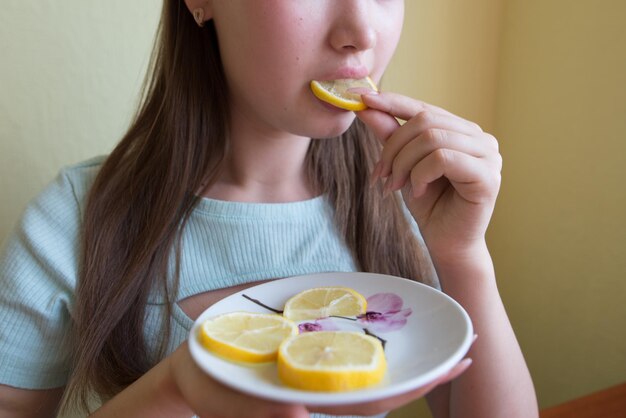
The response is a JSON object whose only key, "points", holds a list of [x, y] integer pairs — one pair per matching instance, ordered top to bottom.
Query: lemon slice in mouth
{"points": [[338, 92]]}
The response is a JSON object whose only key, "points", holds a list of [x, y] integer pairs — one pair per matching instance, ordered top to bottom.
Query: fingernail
{"points": [[370, 92], [384, 170], [418, 190], [414, 192], [474, 339]]}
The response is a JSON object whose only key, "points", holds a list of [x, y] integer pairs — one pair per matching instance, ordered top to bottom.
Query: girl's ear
{"points": [[200, 9]]}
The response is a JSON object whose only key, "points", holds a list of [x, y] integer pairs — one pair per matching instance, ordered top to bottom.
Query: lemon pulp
{"points": [[322, 302], [246, 337], [331, 361]]}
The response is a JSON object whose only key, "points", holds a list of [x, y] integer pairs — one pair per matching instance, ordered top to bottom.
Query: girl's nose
{"points": [[353, 28]]}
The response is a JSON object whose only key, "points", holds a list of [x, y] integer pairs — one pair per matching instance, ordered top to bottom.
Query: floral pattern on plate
{"points": [[384, 314]]}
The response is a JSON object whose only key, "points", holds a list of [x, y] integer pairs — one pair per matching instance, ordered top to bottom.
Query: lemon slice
{"points": [[336, 92], [322, 302], [246, 337], [331, 361]]}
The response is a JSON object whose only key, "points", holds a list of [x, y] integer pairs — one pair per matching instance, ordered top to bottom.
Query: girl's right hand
{"points": [[210, 399]]}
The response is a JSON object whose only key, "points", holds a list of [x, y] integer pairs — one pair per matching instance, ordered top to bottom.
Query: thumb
{"points": [[381, 123]]}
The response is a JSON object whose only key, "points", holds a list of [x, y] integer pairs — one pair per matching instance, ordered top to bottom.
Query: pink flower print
{"points": [[385, 313], [324, 324]]}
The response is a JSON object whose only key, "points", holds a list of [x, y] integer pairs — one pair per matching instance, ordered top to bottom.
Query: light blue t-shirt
{"points": [[224, 244]]}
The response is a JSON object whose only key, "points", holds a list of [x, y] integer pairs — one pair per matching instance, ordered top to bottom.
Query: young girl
{"points": [[218, 185]]}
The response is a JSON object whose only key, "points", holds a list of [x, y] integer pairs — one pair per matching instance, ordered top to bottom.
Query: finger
{"points": [[399, 105], [405, 108], [427, 119], [382, 124], [432, 126], [402, 152], [470, 176]]}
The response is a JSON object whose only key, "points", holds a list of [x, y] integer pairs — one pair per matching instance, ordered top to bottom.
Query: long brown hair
{"points": [[144, 194]]}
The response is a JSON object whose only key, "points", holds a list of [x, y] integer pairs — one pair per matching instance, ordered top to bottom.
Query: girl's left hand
{"points": [[447, 167]]}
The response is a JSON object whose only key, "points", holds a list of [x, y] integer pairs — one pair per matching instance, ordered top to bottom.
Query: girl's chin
{"points": [[332, 127]]}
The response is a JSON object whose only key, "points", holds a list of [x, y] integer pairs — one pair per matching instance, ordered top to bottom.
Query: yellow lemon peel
{"points": [[337, 92], [246, 337], [331, 361]]}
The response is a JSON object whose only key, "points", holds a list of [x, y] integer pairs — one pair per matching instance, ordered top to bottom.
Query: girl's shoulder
{"points": [[91, 165], [77, 179], [65, 195], [50, 222], [46, 237], [39, 267]]}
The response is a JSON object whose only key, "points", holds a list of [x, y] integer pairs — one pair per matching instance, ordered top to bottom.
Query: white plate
{"points": [[424, 340]]}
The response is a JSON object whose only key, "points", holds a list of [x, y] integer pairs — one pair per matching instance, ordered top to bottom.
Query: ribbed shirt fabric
{"points": [[224, 244]]}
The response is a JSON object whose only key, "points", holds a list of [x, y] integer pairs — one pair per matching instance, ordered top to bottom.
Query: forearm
{"points": [[498, 383], [154, 395]]}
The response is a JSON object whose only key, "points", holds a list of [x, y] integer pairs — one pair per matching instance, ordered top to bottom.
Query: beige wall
{"points": [[448, 56], [69, 76], [546, 76], [559, 234]]}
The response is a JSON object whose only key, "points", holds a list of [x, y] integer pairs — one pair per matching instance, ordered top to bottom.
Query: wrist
{"points": [[450, 256], [462, 268]]}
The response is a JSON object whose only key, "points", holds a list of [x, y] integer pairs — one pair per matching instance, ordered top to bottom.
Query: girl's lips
{"points": [[354, 72]]}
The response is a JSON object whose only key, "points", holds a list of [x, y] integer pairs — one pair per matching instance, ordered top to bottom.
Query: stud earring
{"points": [[198, 15]]}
